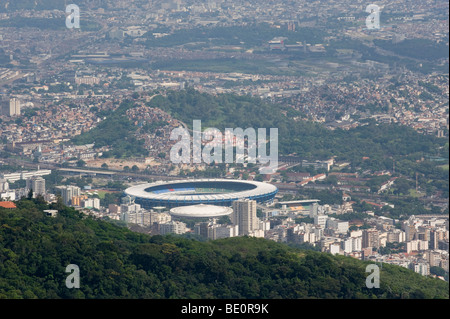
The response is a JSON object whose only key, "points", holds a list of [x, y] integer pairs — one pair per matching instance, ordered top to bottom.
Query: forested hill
{"points": [[307, 139], [117, 263]]}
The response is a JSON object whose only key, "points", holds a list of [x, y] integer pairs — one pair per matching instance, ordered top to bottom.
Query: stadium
{"points": [[221, 192], [201, 211]]}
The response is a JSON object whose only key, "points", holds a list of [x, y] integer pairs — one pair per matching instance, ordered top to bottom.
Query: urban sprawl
{"points": [[58, 83]]}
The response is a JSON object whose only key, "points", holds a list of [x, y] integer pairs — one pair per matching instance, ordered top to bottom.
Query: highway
{"points": [[87, 170]]}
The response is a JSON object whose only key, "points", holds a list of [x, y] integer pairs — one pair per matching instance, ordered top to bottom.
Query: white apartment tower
{"points": [[14, 107], [37, 184], [4, 185], [313, 210], [244, 215], [320, 220], [172, 227]]}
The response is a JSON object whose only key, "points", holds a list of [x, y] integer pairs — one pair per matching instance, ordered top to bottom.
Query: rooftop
{"points": [[8, 205], [201, 210]]}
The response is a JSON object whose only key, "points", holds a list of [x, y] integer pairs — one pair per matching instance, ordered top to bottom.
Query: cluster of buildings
{"points": [[57, 99], [417, 100], [49, 126], [155, 127], [42, 133], [34, 182], [73, 196], [242, 219], [157, 220], [420, 240], [418, 243]]}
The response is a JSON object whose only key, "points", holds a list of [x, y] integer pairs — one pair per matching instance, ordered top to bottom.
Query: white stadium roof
{"points": [[259, 189], [201, 210]]}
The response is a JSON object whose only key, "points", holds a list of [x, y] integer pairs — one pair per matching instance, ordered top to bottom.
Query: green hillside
{"points": [[116, 130], [307, 139], [117, 263]]}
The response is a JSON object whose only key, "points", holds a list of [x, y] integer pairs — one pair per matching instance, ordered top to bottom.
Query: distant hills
{"points": [[117, 263]]}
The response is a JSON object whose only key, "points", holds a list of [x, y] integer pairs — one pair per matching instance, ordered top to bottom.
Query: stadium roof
{"points": [[257, 189], [201, 210]]}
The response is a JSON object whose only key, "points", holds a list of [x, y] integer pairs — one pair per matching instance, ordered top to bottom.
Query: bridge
{"points": [[87, 171], [111, 173]]}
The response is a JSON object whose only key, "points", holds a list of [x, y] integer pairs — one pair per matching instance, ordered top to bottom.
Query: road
{"points": [[87, 170]]}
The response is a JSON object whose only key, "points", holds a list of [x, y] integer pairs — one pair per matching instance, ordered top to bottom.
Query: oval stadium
{"points": [[221, 192]]}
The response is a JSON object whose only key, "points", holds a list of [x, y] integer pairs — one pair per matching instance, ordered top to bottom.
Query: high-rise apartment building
{"points": [[11, 107], [4, 185], [37, 185], [67, 193], [91, 203], [313, 210], [244, 215], [321, 220], [172, 227], [370, 238]]}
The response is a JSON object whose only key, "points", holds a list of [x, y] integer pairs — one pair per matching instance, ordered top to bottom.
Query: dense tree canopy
{"points": [[117, 263]]}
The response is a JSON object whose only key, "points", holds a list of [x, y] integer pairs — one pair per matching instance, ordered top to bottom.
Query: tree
{"points": [[94, 109], [81, 163], [105, 166], [135, 169], [259, 178], [332, 180], [402, 186], [30, 194], [110, 198], [225, 220], [177, 266]]}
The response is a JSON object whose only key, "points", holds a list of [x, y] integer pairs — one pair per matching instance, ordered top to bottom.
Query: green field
{"points": [[101, 193], [414, 193]]}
